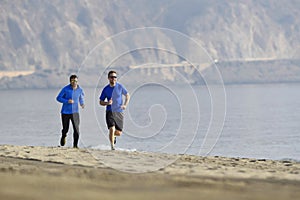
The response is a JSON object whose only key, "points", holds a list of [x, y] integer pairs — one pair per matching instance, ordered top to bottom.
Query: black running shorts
{"points": [[114, 119]]}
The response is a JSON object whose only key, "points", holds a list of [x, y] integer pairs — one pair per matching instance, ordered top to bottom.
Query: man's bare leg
{"points": [[118, 133], [112, 137]]}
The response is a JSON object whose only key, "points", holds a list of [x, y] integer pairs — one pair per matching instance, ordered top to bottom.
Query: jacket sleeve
{"points": [[61, 97], [81, 98]]}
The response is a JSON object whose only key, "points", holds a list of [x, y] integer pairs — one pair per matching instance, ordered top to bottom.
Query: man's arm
{"points": [[60, 97], [127, 98], [81, 99], [105, 103]]}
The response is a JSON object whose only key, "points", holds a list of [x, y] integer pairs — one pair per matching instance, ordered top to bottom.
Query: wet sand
{"points": [[65, 173]]}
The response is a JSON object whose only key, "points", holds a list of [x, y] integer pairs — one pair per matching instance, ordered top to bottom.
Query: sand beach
{"points": [[32, 172]]}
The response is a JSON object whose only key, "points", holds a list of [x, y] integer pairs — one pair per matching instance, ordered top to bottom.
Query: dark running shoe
{"points": [[62, 141], [115, 141]]}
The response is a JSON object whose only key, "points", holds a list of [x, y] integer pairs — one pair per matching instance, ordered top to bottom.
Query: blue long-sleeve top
{"points": [[67, 93]]}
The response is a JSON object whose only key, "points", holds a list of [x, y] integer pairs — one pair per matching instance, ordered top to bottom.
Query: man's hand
{"points": [[70, 101], [110, 102], [106, 103], [82, 106], [123, 107]]}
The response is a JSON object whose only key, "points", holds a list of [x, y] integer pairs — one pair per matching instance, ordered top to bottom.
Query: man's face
{"points": [[112, 78], [74, 82]]}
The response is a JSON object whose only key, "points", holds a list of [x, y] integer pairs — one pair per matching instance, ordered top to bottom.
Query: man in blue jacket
{"points": [[70, 96], [111, 97]]}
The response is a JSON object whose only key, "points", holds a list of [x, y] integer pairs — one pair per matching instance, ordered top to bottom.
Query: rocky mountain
{"points": [[257, 38]]}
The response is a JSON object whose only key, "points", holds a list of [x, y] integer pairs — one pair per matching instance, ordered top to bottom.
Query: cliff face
{"points": [[249, 29], [58, 35]]}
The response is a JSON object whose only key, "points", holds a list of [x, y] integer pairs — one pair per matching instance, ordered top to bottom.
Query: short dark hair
{"points": [[111, 72], [73, 76]]}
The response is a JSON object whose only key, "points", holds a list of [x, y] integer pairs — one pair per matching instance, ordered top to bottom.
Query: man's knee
{"points": [[64, 131], [118, 133]]}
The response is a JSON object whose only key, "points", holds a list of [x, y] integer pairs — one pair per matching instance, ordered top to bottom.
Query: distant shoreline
{"points": [[230, 72], [12, 74], [93, 87]]}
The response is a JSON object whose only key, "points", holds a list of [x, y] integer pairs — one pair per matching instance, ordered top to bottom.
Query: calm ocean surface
{"points": [[256, 121]]}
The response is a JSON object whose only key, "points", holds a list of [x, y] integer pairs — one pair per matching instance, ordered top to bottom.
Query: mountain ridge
{"points": [[58, 35]]}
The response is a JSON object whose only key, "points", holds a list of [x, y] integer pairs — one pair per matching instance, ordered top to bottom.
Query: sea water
{"points": [[254, 121]]}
